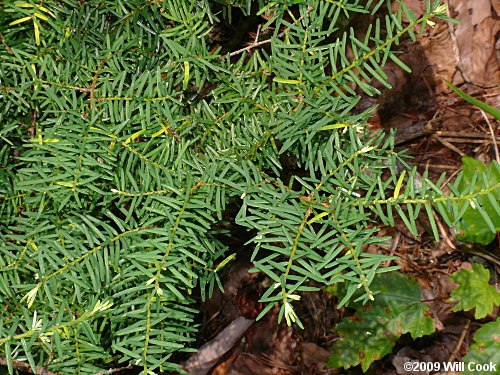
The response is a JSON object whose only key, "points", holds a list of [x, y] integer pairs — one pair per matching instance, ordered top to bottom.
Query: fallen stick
{"points": [[23, 366]]}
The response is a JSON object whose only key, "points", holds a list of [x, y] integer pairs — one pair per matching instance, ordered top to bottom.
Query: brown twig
{"points": [[258, 34], [4, 42], [261, 43], [255, 44], [94, 81], [416, 130], [443, 133], [493, 138], [465, 140], [448, 144], [436, 166], [445, 183], [393, 248], [492, 257], [460, 342], [23, 366], [113, 370]]}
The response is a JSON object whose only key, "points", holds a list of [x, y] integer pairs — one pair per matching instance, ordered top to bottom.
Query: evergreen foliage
{"points": [[125, 134], [479, 225]]}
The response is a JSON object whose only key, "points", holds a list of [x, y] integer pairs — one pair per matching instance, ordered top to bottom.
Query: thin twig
{"points": [[257, 35], [4, 42], [258, 44], [253, 45], [94, 80], [417, 130], [443, 133], [493, 138], [465, 140], [448, 144], [436, 166], [449, 178], [393, 248], [492, 257], [460, 341], [23, 366], [113, 370]]}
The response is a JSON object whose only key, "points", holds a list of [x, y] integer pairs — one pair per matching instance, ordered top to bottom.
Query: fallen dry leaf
{"points": [[476, 39]]}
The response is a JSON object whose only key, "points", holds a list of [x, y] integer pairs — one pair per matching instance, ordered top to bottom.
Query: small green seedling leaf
{"points": [[474, 291], [373, 331], [485, 350]]}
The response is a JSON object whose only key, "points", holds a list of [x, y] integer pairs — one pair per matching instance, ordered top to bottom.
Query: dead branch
{"points": [[23, 366]]}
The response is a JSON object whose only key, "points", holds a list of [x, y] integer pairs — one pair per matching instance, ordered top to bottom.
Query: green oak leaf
{"points": [[472, 226], [474, 291], [372, 332], [486, 347]]}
